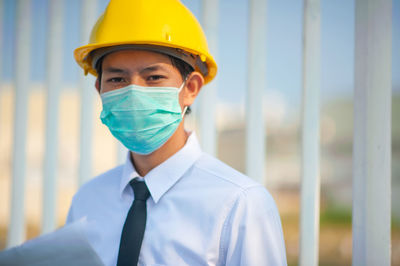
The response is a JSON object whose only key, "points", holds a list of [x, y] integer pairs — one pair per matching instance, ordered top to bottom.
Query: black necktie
{"points": [[135, 223]]}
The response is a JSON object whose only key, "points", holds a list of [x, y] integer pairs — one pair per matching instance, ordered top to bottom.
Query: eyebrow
{"points": [[152, 68], [114, 70], [144, 70]]}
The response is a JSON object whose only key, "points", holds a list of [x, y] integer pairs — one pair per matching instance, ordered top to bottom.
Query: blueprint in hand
{"points": [[66, 246]]}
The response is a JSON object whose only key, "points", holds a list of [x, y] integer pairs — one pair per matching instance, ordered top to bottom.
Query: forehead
{"points": [[135, 58]]}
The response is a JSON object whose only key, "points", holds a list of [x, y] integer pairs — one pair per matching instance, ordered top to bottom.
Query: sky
{"points": [[283, 50]]}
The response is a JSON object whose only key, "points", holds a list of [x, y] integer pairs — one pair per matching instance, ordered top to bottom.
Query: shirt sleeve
{"points": [[70, 216], [253, 231]]}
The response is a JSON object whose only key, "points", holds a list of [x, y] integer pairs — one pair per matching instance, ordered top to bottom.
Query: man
{"points": [[169, 204]]}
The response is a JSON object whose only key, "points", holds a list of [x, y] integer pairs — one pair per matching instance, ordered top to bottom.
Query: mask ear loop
{"points": [[183, 85], [180, 88], [184, 111]]}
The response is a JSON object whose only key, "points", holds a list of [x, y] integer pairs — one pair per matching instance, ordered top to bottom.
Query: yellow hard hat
{"points": [[166, 26]]}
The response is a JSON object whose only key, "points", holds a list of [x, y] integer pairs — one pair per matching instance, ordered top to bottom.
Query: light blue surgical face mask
{"points": [[142, 118]]}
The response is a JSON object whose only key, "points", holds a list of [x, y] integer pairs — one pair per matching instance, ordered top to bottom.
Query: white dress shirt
{"points": [[200, 212]]}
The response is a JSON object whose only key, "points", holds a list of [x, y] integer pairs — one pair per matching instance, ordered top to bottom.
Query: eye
{"points": [[155, 77], [115, 80]]}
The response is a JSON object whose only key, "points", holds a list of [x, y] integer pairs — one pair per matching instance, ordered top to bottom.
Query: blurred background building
{"points": [[281, 102]]}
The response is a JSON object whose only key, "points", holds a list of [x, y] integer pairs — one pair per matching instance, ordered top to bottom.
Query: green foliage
{"points": [[335, 215], [342, 216]]}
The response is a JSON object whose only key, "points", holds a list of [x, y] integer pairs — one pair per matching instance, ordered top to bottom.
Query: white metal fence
{"points": [[372, 99]]}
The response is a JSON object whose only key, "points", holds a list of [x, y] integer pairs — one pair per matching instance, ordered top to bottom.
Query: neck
{"points": [[145, 163]]}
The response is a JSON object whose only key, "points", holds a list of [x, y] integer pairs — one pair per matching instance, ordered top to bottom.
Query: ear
{"points": [[97, 85], [193, 85]]}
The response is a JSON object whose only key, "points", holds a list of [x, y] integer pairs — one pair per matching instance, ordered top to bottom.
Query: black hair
{"points": [[184, 69]]}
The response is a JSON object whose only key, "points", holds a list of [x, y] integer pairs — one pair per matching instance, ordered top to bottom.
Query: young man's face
{"points": [[143, 68], [147, 69]]}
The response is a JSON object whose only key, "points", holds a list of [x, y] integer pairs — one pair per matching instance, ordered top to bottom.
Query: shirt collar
{"points": [[128, 173], [160, 179]]}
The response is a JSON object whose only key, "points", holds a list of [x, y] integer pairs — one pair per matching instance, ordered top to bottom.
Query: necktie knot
{"points": [[140, 190]]}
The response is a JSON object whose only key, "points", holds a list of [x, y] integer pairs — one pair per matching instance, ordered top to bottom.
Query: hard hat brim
{"points": [[84, 56]]}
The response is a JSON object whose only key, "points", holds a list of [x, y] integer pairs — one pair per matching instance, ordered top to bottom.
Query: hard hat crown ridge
{"points": [[165, 23]]}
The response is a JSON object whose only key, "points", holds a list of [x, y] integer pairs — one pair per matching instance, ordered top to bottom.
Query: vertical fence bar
{"points": [[1, 40], [1, 49], [54, 79], [86, 86], [208, 96], [255, 127], [372, 133], [310, 183], [16, 232]]}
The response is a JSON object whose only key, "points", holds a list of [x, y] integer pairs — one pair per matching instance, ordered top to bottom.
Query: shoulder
{"points": [[208, 165], [101, 184], [239, 186], [94, 194], [250, 217]]}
